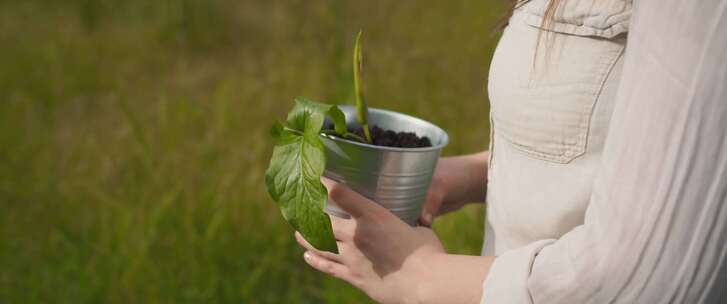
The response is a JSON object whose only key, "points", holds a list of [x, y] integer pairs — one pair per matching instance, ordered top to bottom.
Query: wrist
{"points": [[477, 177], [469, 183], [451, 278], [425, 288]]}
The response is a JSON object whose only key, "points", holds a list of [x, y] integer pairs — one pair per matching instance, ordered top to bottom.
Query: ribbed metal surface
{"points": [[395, 178]]}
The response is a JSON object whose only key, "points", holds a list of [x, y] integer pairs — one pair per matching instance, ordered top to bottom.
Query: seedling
{"points": [[298, 161]]}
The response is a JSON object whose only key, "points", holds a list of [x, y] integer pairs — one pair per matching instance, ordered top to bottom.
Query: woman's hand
{"points": [[457, 180], [379, 253], [391, 261]]}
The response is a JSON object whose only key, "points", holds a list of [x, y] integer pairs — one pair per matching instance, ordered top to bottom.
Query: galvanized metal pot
{"points": [[396, 178]]}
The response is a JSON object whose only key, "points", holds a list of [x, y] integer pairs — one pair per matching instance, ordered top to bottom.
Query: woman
{"points": [[606, 176]]}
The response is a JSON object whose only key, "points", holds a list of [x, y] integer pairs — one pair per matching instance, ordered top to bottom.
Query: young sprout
{"points": [[361, 108]]}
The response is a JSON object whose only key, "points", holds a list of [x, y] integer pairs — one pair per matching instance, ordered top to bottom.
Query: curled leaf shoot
{"points": [[361, 108]]}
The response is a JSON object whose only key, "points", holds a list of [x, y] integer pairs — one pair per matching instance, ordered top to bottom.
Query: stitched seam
{"points": [[580, 29], [612, 64], [581, 147]]}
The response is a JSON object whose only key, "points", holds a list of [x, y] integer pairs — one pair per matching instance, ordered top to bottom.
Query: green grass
{"points": [[134, 136]]}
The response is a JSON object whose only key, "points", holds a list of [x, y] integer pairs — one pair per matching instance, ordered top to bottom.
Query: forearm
{"points": [[469, 182], [451, 278]]}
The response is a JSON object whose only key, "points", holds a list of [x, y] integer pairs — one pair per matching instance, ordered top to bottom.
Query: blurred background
{"points": [[134, 136]]}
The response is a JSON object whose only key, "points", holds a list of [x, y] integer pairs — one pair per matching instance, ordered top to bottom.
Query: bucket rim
{"points": [[444, 140]]}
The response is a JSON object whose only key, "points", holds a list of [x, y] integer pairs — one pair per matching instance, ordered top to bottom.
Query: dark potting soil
{"points": [[389, 138]]}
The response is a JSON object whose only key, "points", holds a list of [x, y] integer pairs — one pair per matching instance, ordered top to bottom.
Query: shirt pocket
{"points": [[543, 106]]}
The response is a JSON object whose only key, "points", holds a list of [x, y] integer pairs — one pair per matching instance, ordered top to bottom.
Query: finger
{"points": [[353, 203], [430, 209], [426, 220], [343, 229], [328, 255], [329, 267]]}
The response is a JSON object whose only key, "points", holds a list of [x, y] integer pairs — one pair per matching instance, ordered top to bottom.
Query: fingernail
{"points": [[327, 182], [427, 217], [306, 256]]}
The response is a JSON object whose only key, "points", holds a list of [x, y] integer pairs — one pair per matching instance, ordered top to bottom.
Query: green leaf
{"points": [[362, 110], [308, 116], [339, 120], [277, 129], [293, 177]]}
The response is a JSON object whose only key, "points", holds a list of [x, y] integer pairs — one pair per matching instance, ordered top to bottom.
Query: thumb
{"points": [[350, 201]]}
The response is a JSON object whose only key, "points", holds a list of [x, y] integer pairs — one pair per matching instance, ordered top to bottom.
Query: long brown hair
{"points": [[546, 24]]}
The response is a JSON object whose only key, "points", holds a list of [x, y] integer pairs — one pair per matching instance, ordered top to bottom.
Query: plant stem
{"points": [[361, 108], [293, 130], [330, 132], [347, 135], [355, 137]]}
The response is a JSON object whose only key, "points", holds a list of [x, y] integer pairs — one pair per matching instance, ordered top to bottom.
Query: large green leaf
{"points": [[293, 177]]}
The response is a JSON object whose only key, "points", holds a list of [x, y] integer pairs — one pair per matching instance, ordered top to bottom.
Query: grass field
{"points": [[134, 136]]}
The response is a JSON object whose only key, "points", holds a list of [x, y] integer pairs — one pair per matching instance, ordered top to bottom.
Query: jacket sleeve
{"points": [[655, 229]]}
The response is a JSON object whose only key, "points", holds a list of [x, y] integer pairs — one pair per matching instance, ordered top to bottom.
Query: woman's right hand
{"points": [[457, 180]]}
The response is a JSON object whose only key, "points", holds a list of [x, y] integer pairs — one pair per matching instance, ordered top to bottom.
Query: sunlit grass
{"points": [[134, 137]]}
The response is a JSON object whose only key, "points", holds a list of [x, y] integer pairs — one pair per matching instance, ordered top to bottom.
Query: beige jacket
{"points": [[600, 189]]}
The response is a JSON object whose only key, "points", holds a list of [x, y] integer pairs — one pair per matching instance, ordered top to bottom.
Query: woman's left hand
{"points": [[379, 254]]}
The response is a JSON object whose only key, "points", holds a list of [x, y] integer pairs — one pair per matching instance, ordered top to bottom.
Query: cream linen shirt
{"points": [[608, 171]]}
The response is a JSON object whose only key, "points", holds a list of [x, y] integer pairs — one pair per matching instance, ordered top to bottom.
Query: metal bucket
{"points": [[396, 178]]}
